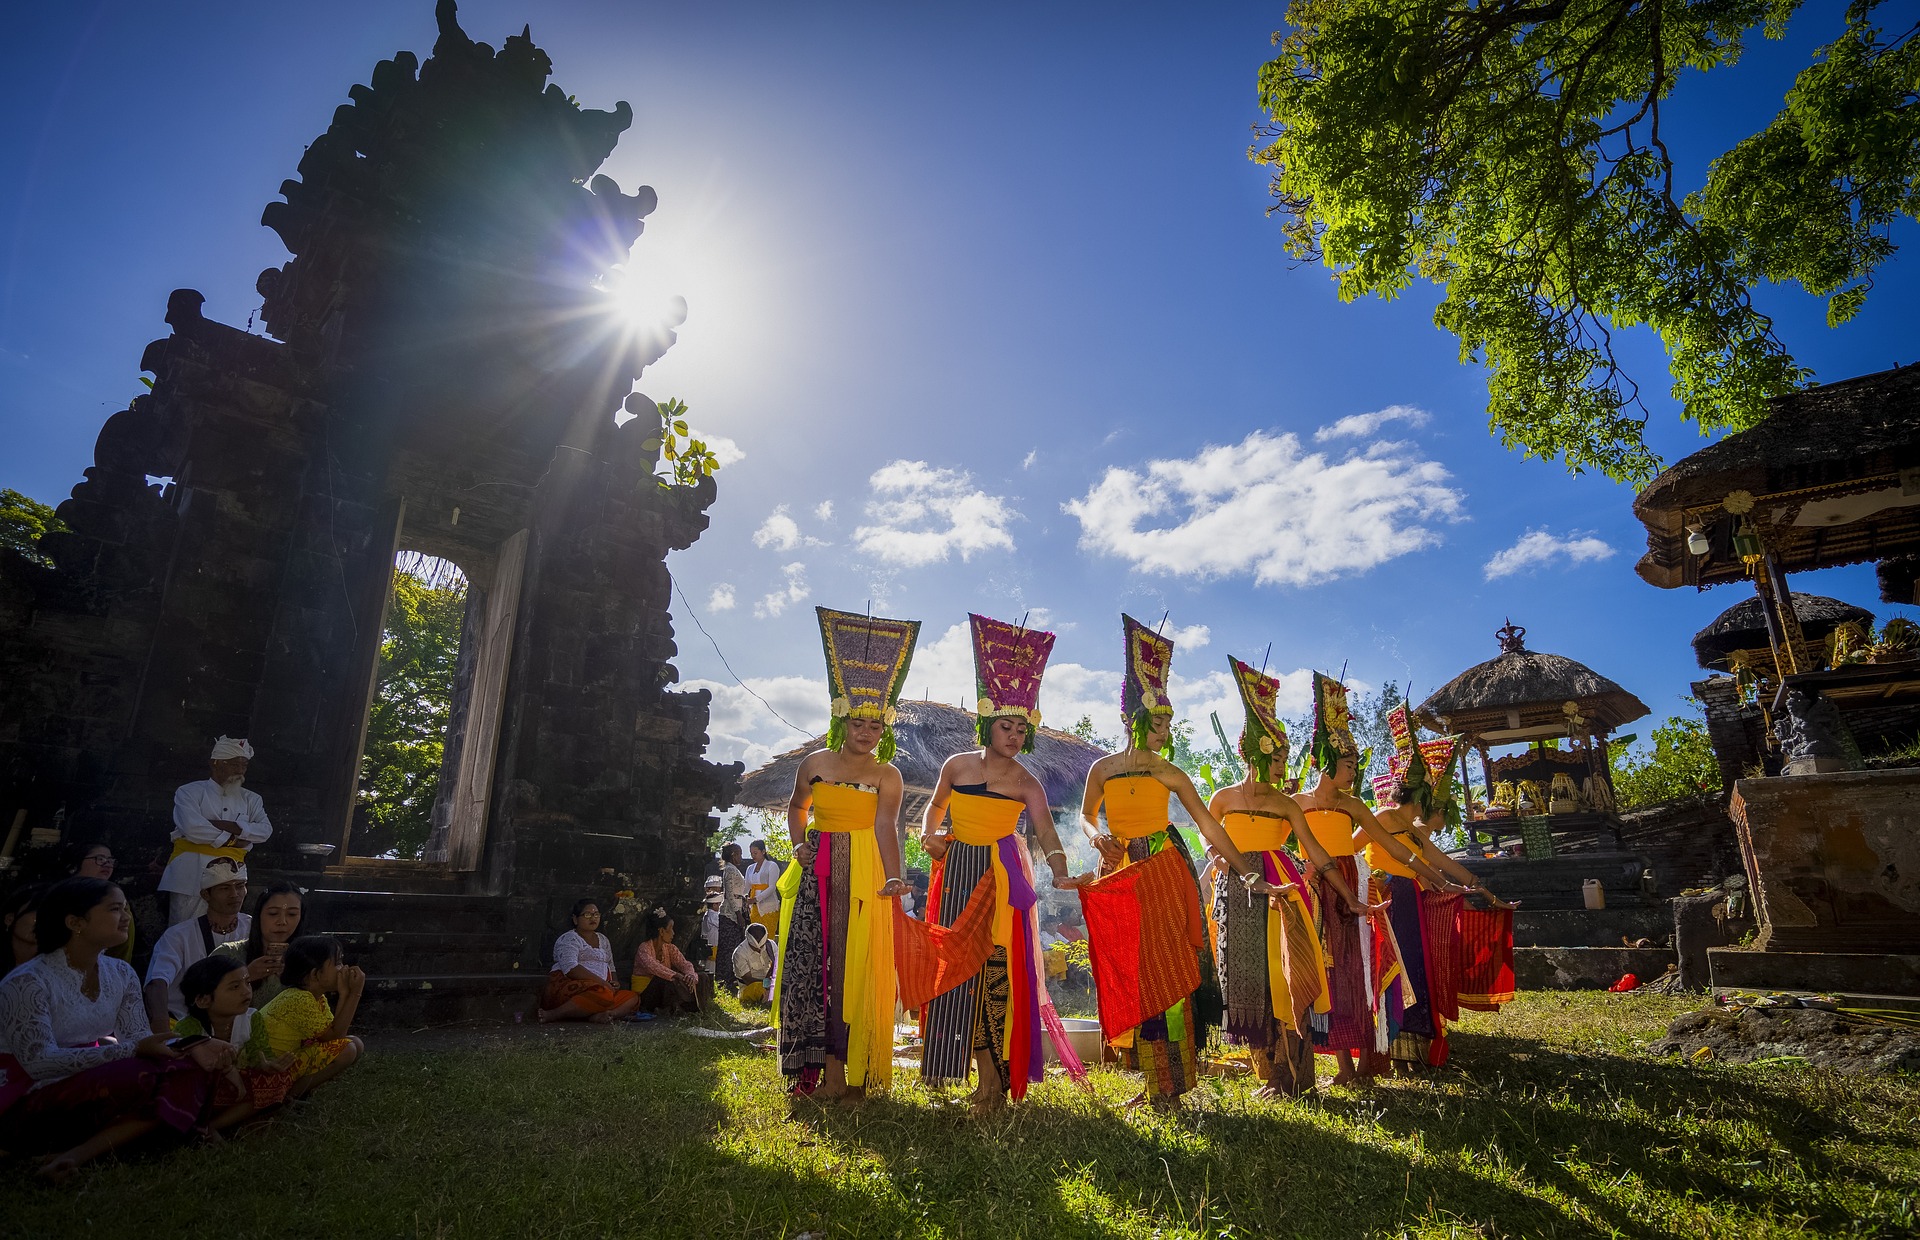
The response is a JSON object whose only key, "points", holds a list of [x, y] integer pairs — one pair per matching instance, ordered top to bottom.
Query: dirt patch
{"points": [[1828, 1039]]}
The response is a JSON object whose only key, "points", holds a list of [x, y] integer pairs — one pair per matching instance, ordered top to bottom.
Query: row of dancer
{"points": [[1292, 963]]}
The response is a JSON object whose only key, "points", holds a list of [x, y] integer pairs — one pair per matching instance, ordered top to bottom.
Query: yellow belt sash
{"points": [[235, 853]]}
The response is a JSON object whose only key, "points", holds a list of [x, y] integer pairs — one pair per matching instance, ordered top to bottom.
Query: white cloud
{"points": [[1361, 425], [724, 450], [1032, 456], [1267, 508], [824, 510], [921, 515], [782, 533], [1537, 547], [786, 595], [721, 599], [1192, 637], [942, 668], [740, 728]]}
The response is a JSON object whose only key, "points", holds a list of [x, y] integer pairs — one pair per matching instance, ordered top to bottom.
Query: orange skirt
{"points": [[591, 997]]}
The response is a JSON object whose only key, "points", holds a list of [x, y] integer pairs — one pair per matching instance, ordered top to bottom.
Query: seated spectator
{"points": [[96, 861], [18, 913], [279, 916], [223, 925], [754, 962], [662, 976], [581, 984], [220, 1006], [301, 1023], [74, 1033]]}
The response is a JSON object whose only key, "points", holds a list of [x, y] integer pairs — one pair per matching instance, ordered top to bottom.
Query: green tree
{"points": [[1511, 152], [23, 520], [407, 727], [1680, 764]]}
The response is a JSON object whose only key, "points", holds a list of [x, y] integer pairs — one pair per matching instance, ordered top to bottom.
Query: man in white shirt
{"points": [[212, 818], [763, 889], [223, 925], [753, 964]]}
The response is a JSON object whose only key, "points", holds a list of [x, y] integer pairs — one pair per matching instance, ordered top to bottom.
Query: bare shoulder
{"points": [[889, 777]]}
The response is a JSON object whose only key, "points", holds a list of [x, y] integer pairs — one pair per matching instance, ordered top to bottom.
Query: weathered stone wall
{"points": [[1834, 860]]}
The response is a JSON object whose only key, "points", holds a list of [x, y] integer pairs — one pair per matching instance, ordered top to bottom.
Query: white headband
{"points": [[231, 747]]}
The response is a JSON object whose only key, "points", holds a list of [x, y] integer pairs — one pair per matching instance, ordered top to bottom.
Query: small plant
{"points": [[690, 458]]}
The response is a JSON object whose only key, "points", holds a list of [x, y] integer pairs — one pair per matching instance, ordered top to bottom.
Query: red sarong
{"points": [[1440, 919], [1144, 933], [1486, 958], [932, 959]]}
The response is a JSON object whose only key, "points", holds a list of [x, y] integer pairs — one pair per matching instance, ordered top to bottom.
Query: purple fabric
{"points": [[1022, 897], [1408, 929]]}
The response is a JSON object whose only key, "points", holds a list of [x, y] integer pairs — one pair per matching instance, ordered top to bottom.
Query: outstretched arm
{"points": [[1040, 817], [1215, 834], [931, 837], [1102, 840], [1394, 848], [1318, 857], [1439, 860]]}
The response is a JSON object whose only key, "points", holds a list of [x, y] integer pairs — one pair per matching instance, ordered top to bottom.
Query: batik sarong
{"points": [[1271, 972], [175, 1093]]}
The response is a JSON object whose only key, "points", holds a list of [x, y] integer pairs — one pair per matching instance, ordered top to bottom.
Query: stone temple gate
{"points": [[443, 376]]}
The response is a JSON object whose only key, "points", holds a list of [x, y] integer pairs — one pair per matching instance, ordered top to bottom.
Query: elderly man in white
{"points": [[214, 817]]}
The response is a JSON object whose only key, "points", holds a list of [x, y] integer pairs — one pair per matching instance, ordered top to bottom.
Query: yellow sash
{"points": [[983, 820], [1256, 831], [235, 853]]}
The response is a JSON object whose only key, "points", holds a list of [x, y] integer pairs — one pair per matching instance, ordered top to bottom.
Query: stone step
{"points": [[1558, 882], [338, 911], [1550, 927], [431, 952], [1586, 968], [1822, 972], [425, 1000]]}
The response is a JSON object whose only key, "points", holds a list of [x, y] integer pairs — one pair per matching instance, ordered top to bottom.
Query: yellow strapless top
{"points": [[843, 807], [1139, 811], [983, 820], [1333, 828], [1255, 830], [1382, 860]]}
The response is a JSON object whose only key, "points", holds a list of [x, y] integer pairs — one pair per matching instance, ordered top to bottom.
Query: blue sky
{"points": [[963, 282]]}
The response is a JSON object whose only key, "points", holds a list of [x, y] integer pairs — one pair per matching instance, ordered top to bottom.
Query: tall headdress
{"points": [[867, 659], [1008, 661], [1143, 690], [1332, 724], [1263, 739], [1426, 772]]}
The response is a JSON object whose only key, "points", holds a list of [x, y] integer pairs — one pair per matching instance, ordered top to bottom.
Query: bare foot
{"points": [[546, 1017], [600, 1018], [1342, 1077], [1137, 1101], [981, 1105], [58, 1169]]}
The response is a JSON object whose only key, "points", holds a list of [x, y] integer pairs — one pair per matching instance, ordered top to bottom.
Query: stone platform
{"points": [[1586, 968], [1864, 973]]}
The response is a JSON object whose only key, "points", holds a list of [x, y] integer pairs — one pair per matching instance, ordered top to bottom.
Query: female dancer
{"points": [[1134, 786], [1423, 920], [1268, 954], [836, 989], [1363, 997], [996, 1015]]}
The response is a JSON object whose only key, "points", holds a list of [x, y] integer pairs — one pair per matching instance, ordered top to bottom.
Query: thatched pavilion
{"points": [[1738, 639], [1525, 696], [927, 734]]}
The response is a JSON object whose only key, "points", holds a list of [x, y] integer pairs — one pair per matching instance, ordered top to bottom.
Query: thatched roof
{"points": [[1855, 435], [1743, 626], [1524, 691], [927, 734]]}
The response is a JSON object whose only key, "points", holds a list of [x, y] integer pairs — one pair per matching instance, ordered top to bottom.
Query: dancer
{"points": [[1424, 921], [1148, 939], [1272, 973], [836, 988], [1364, 992], [994, 1017]]}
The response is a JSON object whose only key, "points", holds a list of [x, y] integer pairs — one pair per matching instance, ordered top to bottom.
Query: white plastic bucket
{"points": [[1594, 894], [1083, 1036]]}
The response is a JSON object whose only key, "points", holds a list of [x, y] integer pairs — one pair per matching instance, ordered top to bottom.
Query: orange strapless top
{"points": [[844, 807], [1140, 808], [983, 820], [1333, 828], [1254, 830], [1382, 860]]}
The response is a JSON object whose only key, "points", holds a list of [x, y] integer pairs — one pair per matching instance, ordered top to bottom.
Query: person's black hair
{"points": [[759, 844], [730, 852], [73, 854], [70, 897], [17, 904], [582, 905], [654, 921], [256, 937], [306, 954], [202, 978]]}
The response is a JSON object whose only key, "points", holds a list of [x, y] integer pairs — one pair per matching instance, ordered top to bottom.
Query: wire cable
{"points": [[695, 617]]}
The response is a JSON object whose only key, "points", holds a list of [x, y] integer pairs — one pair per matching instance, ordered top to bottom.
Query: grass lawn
{"points": [[1549, 1122]]}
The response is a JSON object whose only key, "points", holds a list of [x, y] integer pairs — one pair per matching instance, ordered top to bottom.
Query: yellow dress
{"points": [[836, 990], [295, 1019]]}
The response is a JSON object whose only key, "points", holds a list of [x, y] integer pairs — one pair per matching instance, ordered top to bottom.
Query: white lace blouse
{"points": [[570, 950], [53, 1029]]}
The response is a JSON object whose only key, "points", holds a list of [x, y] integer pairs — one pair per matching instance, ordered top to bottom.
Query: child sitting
{"points": [[220, 1000], [302, 1023]]}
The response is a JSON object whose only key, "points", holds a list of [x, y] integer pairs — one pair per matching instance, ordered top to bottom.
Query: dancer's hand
{"points": [[936, 846], [1109, 848], [803, 853], [1064, 882], [893, 889], [1496, 901]]}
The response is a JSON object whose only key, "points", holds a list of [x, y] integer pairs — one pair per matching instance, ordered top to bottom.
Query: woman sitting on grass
{"points": [[279, 916], [662, 975], [581, 984], [220, 1001], [302, 1023], [80, 1067]]}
